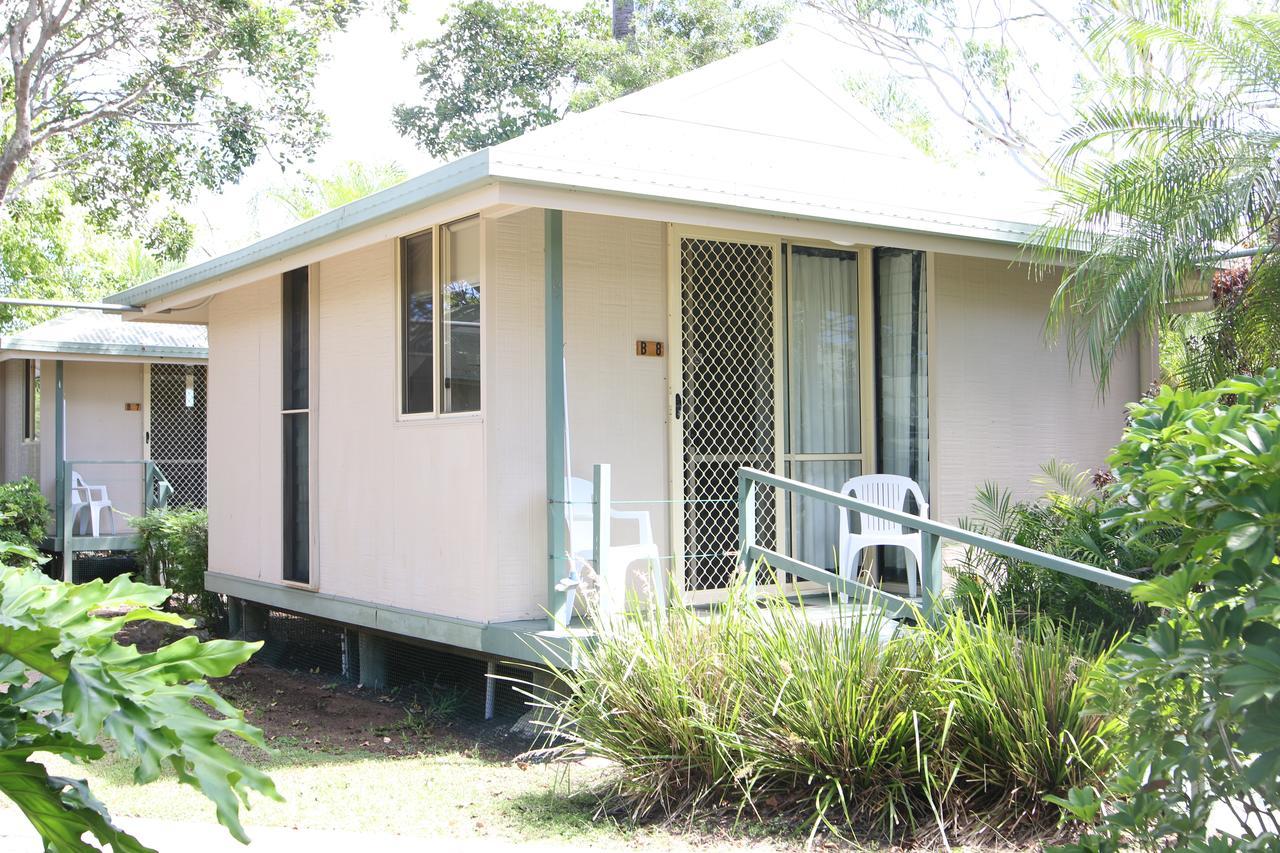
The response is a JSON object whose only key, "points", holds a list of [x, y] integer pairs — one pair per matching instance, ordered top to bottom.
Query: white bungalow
{"points": [[738, 267], [122, 410]]}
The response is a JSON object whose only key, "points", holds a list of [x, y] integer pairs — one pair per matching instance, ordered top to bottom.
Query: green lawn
{"points": [[453, 793]]}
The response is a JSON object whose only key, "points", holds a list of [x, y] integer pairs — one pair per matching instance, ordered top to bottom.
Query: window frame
{"points": [[438, 258]]}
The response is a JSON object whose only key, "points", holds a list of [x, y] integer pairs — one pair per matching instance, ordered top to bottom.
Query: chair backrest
{"points": [[79, 487], [882, 490]]}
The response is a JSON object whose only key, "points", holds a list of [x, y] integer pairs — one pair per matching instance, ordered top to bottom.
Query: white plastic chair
{"points": [[888, 491], [94, 499], [613, 574]]}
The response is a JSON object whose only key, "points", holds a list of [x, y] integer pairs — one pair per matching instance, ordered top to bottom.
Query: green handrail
{"points": [[156, 491], [933, 532]]}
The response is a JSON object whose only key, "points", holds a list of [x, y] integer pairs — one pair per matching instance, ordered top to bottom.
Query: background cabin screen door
{"points": [[727, 398], [176, 432]]}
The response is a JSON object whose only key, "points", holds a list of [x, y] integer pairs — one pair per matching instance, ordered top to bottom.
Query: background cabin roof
{"points": [[770, 130], [96, 333]]}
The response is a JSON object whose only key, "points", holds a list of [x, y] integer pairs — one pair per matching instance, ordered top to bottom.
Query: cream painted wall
{"points": [[615, 294], [1005, 402], [98, 427], [244, 432], [21, 457], [401, 503]]}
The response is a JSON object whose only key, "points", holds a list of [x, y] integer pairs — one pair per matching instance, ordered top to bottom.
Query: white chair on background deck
{"points": [[890, 492], [93, 499], [612, 574]]}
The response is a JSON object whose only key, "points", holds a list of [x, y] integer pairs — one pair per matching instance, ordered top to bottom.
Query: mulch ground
{"points": [[324, 714]]}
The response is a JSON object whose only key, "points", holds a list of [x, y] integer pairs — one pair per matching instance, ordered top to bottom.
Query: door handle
{"points": [[679, 405]]}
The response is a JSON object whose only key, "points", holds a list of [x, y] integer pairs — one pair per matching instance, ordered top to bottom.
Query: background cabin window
{"points": [[416, 292], [460, 316], [902, 375], [31, 400], [297, 528]]}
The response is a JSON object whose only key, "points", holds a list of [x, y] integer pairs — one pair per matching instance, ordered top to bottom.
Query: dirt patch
{"points": [[325, 714]]}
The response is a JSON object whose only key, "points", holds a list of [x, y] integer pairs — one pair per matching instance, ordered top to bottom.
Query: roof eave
{"points": [[450, 179]]}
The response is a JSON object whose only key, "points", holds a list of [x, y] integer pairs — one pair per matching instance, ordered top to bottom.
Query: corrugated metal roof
{"points": [[768, 130], [95, 333]]}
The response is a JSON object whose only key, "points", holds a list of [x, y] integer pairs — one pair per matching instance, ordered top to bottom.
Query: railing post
{"points": [[601, 506], [68, 520], [747, 528], [930, 575]]}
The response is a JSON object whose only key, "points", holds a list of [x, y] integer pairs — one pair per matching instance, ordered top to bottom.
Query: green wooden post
{"points": [[602, 502], [64, 521], [68, 522], [747, 528], [557, 552], [931, 575]]}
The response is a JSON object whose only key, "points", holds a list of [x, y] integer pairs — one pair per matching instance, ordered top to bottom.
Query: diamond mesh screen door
{"points": [[727, 398], [176, 437]]}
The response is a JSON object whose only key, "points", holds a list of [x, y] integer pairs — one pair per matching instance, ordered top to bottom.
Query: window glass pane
{"points": [[460, 317], [417, 336], [295, 339], [822, 352], [902, 378], [815, 524], [297, 552]]}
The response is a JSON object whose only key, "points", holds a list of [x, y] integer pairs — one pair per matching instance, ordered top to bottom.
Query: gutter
{"points": [[450, 179]]}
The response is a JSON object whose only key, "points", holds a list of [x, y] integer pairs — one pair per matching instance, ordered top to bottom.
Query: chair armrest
{"points": [[641, 517]]}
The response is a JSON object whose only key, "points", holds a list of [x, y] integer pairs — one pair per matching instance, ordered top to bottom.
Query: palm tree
{"points": [[1171, 173], [313, 194]]}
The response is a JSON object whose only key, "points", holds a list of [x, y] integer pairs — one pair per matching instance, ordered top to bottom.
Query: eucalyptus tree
{"points": [[125, 100]]}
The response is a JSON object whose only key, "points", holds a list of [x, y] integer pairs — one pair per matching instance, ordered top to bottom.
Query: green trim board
{"points": [[19, 348], [119, 542], [522, 640]]}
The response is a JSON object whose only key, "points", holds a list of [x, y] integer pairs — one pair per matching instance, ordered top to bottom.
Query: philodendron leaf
{"points": [[65, 683], [62, 810]]}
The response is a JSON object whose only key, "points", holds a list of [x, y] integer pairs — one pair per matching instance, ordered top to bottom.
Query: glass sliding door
{"points": [[902, 378], [823, 394]]}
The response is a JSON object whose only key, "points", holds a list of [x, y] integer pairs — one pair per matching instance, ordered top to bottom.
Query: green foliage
{"points": [[503, 67], [221, 80], [891, 99], [1171, 165], [315, 193], [49, 251], [1239, 335], [24, 513], [1069, 520], [174, 552], [65, 683], [1203, 685], [764, 711]]}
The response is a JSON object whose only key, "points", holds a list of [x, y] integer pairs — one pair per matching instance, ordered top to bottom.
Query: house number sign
{"points": [[653, 348]]}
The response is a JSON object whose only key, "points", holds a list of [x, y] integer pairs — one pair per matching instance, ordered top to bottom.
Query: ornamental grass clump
{"points": [[857, 724], [1021, 726]]}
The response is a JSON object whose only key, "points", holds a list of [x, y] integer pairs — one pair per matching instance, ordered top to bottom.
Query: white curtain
{"points": [[824, 401]]}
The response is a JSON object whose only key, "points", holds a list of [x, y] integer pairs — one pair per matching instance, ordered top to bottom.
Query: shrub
{"points": [[24, 513], [1069, 520], [174, 552], [65, 683], [1203, 685], [838, 725]]}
